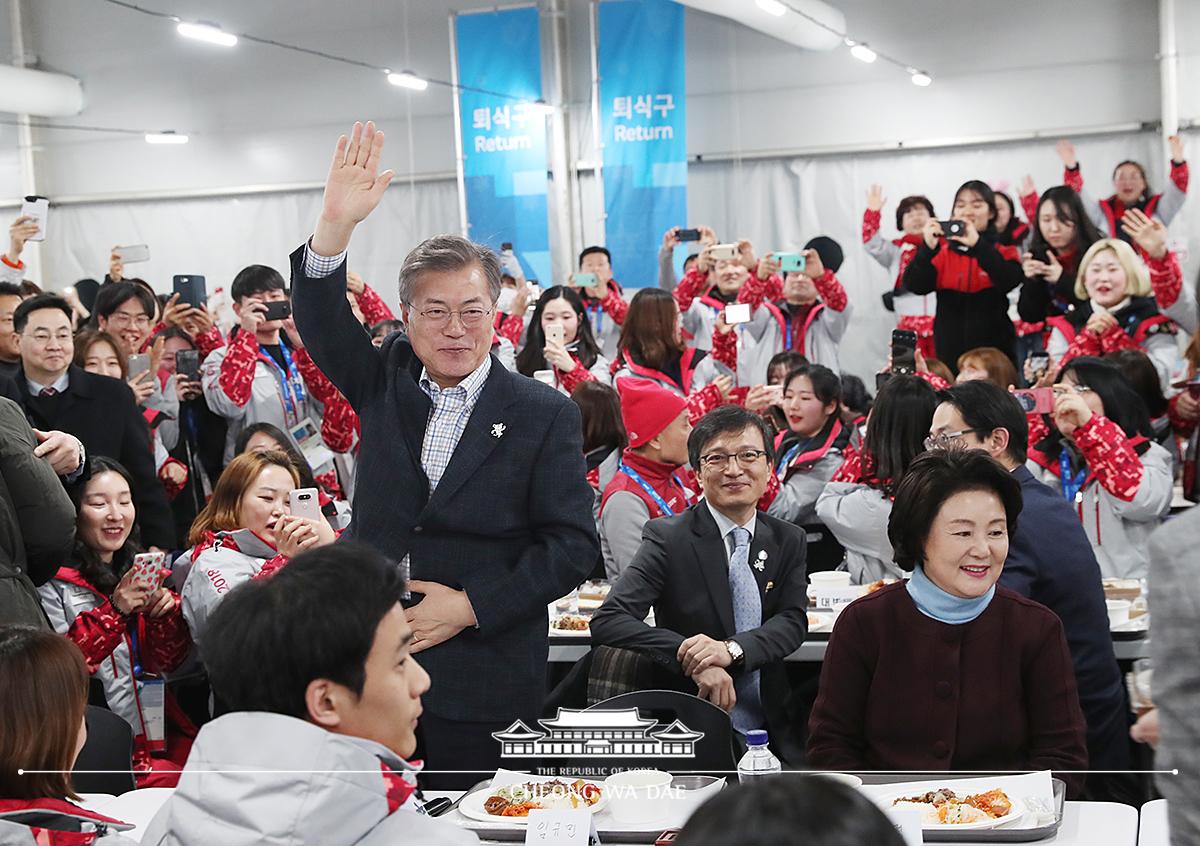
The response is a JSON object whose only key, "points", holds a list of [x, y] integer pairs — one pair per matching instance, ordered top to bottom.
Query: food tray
{"points": [[1007, 835]]}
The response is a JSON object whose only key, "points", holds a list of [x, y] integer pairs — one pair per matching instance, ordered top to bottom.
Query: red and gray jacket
{"points": [[1107, 213], [894, 256], [1139, 326], [805, 468], [1125, 491], [215, 566], [78, 609], [57, 822]]}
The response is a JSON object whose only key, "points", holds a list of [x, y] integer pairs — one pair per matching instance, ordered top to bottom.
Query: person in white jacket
{"points": [[560, 314], [1096, 448], [857, 503], [245, 529], [313, 751]]}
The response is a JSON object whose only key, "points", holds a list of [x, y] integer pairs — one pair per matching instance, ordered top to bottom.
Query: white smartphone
{"points": [[39, 209], [723, 252], [133, 254], [736, 313], [556, 333], [775, 394], [306, 503], [148, 569]]}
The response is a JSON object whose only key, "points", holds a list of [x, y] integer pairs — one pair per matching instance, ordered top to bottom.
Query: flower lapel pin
{"points": [[497, 429], [762, 560]]}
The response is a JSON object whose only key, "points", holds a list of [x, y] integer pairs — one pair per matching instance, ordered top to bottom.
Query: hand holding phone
{"points": [[37, 208], [953, 227], [687, 235], [723, 252], [133, 254], [789, 262], [583, 280], [191, 290], [277, 310], [736, 313], [556, 334], [139, 363], [1035, 400], [148, 570]]}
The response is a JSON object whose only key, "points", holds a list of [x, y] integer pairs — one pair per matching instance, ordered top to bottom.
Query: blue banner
{"points": [[644, 132], [503, 139]]}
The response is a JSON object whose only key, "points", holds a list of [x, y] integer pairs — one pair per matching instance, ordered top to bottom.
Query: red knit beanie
{"points": [[647, 409]]}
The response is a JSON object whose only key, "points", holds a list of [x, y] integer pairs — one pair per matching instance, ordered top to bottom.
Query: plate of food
{"points": [[573, 625], [512, 803], [944, 810]]}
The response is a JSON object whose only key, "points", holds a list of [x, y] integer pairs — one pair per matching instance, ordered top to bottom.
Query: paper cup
{"points": [[832, 578], [1118, 611], [638, 796]]}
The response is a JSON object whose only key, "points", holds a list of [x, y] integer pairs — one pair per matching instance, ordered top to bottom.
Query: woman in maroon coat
{"points": [[949, 671]]}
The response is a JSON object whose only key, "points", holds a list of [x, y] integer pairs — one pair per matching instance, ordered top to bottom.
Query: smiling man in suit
{"points": [[471, 475], [727, 584]]}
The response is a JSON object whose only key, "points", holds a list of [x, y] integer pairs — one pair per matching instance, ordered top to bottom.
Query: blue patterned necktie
{"points": [[747, 614]]}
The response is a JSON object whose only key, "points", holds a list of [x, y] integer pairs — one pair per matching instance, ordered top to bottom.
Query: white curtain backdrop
{"points": [[777, 203], [217, 237]]}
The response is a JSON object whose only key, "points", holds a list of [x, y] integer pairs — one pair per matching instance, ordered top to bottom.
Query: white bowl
{"points": [[831, 578], [1118, 611], [843, 778], [638, 796]]}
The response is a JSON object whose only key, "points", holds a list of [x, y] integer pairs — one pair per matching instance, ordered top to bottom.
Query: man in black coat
{"points": [[99, 411], [471, 476], [1050, 560], [709, 638]]}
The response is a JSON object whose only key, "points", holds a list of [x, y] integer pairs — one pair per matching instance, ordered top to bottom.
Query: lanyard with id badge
{"points": [[307, 436], [149, 569]]}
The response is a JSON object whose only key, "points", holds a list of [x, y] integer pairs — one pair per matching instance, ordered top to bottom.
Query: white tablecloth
{"points": [[1084, 824], [1153, 829]]}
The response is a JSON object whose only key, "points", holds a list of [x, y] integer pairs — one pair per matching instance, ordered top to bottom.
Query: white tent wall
{"points": [[217, 237]]}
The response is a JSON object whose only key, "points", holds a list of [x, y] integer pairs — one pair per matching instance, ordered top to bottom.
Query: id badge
{"points": [[307, 436], [152, 695]]}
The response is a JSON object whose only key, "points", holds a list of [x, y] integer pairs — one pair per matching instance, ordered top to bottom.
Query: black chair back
{"points": [[109, 747]]}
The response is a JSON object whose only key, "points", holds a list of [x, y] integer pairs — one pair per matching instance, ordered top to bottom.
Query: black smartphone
{"points": [[953, 227], [688, 235], [1041, 254], [191, 290], [278, 310], [904, 351], [187, 365], [881, 379]]}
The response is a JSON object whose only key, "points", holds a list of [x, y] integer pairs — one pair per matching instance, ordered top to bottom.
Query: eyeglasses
{"points": [[471, 317], [125, 318], [43, 337], [1063, 388], [943, 439], [720, 460]]}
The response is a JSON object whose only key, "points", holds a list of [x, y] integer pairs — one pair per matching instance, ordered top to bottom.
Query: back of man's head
{"points": [[986, 407], [314, 619]]}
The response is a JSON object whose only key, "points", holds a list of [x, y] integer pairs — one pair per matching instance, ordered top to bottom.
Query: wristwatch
{"points": [[735, 651]]}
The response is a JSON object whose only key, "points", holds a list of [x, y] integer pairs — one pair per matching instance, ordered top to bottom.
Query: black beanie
{"points": [[829, 250]]}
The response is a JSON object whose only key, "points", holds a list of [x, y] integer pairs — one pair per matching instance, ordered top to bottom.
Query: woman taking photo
{"points": [[1062, 234], [972, 275], [1119, 310], [913, 313], [651, 347], [577, 359], [260, 437], [1097, 449], [855, 506], [245, 531], [130, 632], [999, 691], [43, 694]]}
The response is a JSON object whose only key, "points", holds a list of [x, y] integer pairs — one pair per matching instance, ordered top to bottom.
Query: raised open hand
{"points": [[353, 188]]}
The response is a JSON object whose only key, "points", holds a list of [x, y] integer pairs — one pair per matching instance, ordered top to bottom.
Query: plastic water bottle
{"points": [[759, 761]]}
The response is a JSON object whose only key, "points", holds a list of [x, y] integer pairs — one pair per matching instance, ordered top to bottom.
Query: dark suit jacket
{"points": [[102, 413], [510, 521], [1050, 560], [682, 570]]}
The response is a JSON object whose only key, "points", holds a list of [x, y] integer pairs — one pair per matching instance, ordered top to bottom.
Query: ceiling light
{"points": [[773, 7], [208, 33], [863, 53], [921, 78], [408, 79], [539, 107], [169, 136]]}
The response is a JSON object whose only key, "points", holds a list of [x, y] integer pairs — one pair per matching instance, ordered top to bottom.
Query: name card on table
{"points": [[837, 598], [908, 824], [562, 828]]}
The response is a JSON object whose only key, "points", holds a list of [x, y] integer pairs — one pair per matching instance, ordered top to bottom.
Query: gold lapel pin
{"points": [[768, 587]]}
